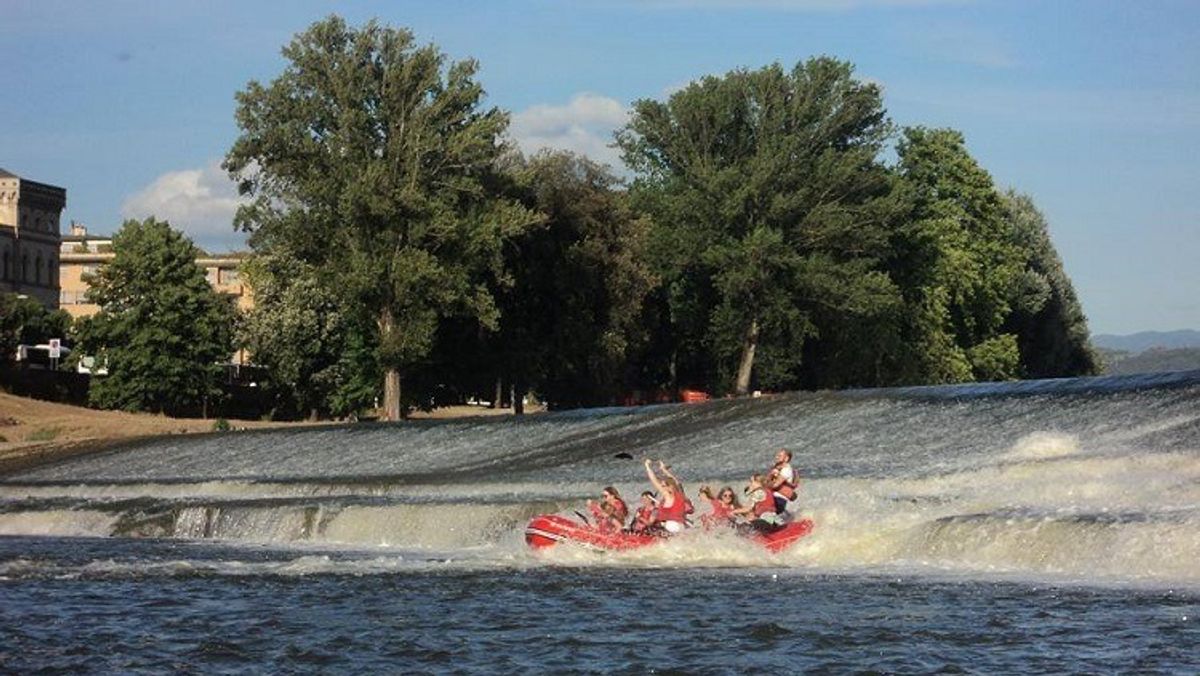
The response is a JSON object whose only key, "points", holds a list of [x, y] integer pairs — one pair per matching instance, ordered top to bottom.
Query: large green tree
{"points": [[370, 158], [765, 190], [958, 261], [570, 320], [162, 328], [1051, 328]]}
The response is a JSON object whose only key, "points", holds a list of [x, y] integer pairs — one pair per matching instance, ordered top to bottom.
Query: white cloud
{"points": [[584, 125], [200, 202]]}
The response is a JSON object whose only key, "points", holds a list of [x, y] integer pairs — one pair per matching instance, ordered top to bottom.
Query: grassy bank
{"points": [[34, 432]]}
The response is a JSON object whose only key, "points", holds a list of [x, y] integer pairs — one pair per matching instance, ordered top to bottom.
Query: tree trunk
{"points": [[746, 366], [673, 370], [391, 378], [499, 394], [391, 395], [518, 396]]}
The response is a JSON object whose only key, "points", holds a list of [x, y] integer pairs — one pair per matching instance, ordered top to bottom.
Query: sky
{"points": [[1092, 107]]}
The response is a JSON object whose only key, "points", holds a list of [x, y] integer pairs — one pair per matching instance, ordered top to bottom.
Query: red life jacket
{"points": [[788, 488], [766, 505], [620, 510], [720, 510], [676, 512], [645, 516]]}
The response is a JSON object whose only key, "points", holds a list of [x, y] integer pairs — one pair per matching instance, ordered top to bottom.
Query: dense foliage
{"points": [[370, 160], [765, 192], [764, 241], [569, 319], [24, 321], [162, 328], [312, 343]]}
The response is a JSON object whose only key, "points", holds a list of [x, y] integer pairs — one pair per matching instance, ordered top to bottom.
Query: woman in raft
{"points": [[723, 505], [673, 506], [611, 512], [646, 515]]}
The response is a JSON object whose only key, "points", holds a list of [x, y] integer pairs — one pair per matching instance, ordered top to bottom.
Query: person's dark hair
{"points": [[610, 489], [736, 503]]}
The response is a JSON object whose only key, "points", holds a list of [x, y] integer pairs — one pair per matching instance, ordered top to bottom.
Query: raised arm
{"points": [[666, 470], [658, 486]]}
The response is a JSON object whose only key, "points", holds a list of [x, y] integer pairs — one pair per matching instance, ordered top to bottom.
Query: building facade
{"points": [[29, 237], [82, 254]]}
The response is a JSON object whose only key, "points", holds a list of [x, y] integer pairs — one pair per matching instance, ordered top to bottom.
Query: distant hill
{"points": [[1145, 340], [1154, 360]]}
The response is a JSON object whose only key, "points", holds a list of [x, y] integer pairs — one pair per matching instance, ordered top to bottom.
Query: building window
{"points": [[6, 265], [25, 267], [37, 270], [211, 275], [229, 276]]}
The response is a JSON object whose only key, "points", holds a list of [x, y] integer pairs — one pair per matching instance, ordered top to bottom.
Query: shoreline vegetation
{"points": [[777, 231], [35, 432]]}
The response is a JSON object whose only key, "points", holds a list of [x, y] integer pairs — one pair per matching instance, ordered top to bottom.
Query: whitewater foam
{"points": [[1074, 486]]}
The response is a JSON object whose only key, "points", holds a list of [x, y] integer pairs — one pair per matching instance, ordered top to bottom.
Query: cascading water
{"points": [[1085, 479]]}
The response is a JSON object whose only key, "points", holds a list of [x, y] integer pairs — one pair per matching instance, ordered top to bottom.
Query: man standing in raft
{"points": [[782, 481], [673, 506], [759, 508]]}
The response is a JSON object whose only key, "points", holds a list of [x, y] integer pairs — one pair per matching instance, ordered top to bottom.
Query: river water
{"points": [[1043, 526]]}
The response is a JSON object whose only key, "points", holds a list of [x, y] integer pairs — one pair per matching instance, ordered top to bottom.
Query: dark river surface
{"points": [[1033, 527]]}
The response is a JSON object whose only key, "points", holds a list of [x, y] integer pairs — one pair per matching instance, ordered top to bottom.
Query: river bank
{"points": [[35, 432]]}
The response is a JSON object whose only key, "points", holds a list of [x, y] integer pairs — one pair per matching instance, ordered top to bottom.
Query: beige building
{"points": [[29, 237], [81, 254]]}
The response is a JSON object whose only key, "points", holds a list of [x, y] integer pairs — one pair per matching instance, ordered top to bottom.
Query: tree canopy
{"points": [[370, 158], [765, 190], [766, 238], [162, 328]]}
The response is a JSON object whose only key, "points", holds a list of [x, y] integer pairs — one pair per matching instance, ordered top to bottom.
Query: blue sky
{"points": [[1092, 107]]}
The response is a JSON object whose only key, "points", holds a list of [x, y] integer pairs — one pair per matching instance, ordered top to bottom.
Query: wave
{"points": [[1078, 483]]}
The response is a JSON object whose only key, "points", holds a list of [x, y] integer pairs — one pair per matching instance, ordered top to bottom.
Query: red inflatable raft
{"points": [[547, 530]]}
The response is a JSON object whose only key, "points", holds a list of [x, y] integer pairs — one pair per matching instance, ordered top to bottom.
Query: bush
{"points": [[221, 425]]}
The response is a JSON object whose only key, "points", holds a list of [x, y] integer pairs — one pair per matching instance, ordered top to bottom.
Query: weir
{"points": [[1078, 478]]}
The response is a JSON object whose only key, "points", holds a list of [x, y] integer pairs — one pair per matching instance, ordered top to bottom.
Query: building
{"points": [[29, 237], [82, 254]]}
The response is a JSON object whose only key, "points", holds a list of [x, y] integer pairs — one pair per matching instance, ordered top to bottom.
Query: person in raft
{"points": [[782, 480], [722, 505], [673, 506], [760, 506], [611, 512], [646, 515]]}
